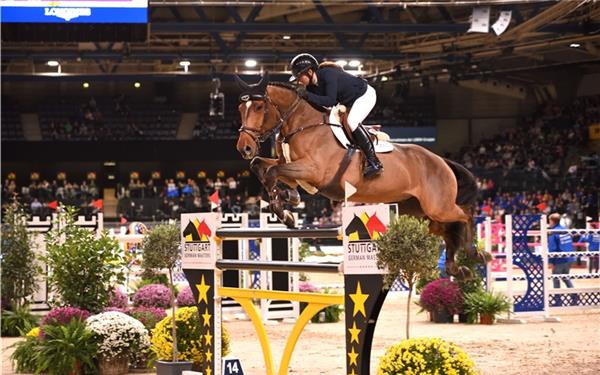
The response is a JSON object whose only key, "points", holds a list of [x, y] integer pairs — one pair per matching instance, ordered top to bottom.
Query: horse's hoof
{"points": [[290, 196], [288, 219], [464, 273]]}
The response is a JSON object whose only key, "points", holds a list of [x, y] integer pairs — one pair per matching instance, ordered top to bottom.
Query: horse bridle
{"points": [[256, 134]]}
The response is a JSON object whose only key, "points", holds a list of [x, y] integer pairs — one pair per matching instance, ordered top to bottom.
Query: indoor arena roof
{"points": [[404, 37]]}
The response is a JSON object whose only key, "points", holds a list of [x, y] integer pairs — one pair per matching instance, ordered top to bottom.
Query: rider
{"points": [[327, 84]]}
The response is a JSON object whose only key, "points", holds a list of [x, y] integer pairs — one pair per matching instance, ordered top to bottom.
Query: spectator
{"points": [[557, 243]]}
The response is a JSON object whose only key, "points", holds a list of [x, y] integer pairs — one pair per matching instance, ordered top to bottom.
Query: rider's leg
{"points": [[359, 111]]}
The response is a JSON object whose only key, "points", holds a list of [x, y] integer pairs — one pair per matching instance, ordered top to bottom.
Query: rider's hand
{"points": [[301, 91]]}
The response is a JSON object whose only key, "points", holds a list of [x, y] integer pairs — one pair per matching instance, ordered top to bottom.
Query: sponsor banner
{"points": [[99, 11], [418, 135], [362, 225], [198, 241]]}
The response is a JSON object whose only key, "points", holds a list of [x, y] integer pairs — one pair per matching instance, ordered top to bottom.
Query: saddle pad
{"points": [[381, 144]]}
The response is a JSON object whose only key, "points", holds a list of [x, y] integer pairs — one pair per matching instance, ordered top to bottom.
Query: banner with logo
{"points": [[362, 225], [198, 246]]}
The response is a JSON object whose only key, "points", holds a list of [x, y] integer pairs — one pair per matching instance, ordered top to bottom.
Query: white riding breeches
{"points": [[362, 107]]}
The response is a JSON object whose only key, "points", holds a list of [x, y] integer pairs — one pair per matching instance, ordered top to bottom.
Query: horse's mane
{"points": [[294, 88]]}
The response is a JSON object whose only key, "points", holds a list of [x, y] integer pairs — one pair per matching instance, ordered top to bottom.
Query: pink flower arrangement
{"points": [[306, 287], [442, 294], [153, 295], [186, 297], [118, 299], [64, 315], [149, 316]]}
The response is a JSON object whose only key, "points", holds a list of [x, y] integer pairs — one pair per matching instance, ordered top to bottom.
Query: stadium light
{"points": [[287, 37], [575, 45], [53, 63], [250, 63], [342, 63], [185, 64], [384, 79], [86, 85], [137, 85]]}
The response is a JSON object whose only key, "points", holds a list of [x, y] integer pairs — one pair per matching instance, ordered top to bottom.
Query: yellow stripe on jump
{"points": [[331, 299], [316, 302]]}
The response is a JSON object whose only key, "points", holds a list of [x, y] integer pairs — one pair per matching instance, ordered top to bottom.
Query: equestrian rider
{"points": [[327, 85]]}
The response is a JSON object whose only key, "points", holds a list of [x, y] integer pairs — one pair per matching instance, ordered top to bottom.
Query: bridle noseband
{"points": [[256, 134]]}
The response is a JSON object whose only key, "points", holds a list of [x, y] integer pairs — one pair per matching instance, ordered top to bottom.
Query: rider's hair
{"points": [[330, 64]]}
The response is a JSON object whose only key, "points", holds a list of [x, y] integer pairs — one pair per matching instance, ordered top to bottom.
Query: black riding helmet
{"points": [[302, 63]]}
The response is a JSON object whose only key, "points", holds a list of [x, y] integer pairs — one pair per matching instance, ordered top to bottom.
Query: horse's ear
{"points": [[264, 81], [242, 85]]}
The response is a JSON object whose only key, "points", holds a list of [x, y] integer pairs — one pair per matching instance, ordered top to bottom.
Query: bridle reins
{"points": [[259, 137]]}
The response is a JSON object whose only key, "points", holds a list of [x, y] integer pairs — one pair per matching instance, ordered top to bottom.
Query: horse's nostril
{"points": [[248, 149]]}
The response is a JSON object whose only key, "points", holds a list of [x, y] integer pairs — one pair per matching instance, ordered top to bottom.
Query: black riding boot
{"points": [[373, 166]]}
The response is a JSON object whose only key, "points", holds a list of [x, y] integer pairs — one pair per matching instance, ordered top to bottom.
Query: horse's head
{"points": [[256, 115]]}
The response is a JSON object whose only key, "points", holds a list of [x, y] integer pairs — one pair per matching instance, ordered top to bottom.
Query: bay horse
{"points": [[422, 183]]}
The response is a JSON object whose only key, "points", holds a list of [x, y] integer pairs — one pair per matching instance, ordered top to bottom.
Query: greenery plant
{"points": [[161, 250], [409, 252], [19, 268], [83, 268], [486, 303], [16, 321], [63, 349]]}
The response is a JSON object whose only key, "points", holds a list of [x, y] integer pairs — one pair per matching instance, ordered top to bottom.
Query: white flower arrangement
{"points": [[119, 334]]}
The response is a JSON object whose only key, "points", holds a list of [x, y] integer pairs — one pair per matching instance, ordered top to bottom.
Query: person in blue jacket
{"points": [[326, 85], [593, 240], [557, 243]]}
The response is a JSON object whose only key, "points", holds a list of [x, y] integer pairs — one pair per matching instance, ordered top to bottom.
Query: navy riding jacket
{"points": [[335, 86]]}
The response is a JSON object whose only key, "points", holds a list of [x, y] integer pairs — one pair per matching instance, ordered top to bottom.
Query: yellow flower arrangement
{"points": [[34, 332], [188, 336], [432, 356]]}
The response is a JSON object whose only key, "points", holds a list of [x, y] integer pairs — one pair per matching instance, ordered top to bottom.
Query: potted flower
{"points": [[161, 249], [443, 298], [487, 305], [121, 338], [190, 343], [56, 349], [425, 356]]}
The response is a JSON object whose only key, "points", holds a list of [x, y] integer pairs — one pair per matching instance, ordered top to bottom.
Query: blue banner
{"points": [[74, 15], [423, 136]]}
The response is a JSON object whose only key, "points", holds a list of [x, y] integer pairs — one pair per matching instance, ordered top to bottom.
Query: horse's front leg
{"points": [[260, 166], [287, 171]]}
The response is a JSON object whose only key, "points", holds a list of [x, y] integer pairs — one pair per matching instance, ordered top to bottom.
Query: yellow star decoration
{"points": [[202, 290], [359, 300], [206, 316], [354, 332], [208, 339], [208, 355], [353, 355], [208, 371], [352, 373]]}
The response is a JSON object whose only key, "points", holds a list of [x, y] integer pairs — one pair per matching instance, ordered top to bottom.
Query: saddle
{"points": [[339, 115]]}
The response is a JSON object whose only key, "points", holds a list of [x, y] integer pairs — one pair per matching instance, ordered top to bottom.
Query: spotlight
{"points": [[287, 37], [574, 45], [53, 63], [250, 63], [342, 63], [354, 63], [185, 64], [384, 78], [86, 85], [137, 85]]}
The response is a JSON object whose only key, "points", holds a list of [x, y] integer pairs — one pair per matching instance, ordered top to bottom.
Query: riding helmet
{"points": [[302, 63]]}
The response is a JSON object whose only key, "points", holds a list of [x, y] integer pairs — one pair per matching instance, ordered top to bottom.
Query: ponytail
{"points": [[330, 64]]}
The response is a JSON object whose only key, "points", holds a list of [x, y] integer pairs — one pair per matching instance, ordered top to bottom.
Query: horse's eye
{"points": [[259, 107]]}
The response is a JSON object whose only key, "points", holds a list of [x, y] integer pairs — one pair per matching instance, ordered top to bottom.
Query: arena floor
{"points": [[569, 347]]}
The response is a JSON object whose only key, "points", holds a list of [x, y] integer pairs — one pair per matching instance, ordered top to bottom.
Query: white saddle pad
{"points": [[382, 144]]}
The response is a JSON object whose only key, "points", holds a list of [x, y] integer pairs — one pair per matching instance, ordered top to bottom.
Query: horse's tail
{"points": [[467, 185]]}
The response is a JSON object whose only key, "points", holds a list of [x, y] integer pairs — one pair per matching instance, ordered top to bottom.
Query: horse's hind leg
{"points": [[454, 235]]}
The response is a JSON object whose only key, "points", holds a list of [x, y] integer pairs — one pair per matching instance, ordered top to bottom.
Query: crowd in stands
{"points": [[106, 119], [41, 197]]}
